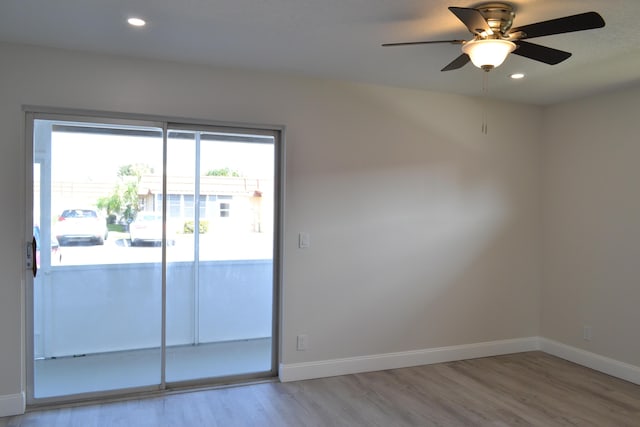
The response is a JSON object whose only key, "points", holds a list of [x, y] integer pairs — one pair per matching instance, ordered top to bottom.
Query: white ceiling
{"points": [[340, 39]]}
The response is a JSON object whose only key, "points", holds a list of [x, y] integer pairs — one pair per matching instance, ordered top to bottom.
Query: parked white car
{"points": [[80, 225], [147, 228]]}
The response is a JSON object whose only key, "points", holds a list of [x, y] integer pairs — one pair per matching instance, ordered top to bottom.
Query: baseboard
{"points": [[405, 359], [591, 360], [12, 404]]}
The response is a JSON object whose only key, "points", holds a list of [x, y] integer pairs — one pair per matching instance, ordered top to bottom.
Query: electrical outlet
{"points": [[586, 333], [302, 342]]}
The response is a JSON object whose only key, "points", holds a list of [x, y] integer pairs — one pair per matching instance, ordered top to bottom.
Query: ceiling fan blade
{"points": [[473, 19], [568, 24], [425, 42], [540, 53], [459, 62]]}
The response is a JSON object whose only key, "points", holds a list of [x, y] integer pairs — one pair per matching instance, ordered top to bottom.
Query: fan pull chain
{"points": [[485, 93]]}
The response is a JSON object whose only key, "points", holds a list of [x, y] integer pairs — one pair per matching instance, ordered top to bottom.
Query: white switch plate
{"points": [[304, 241], [302, 342]]}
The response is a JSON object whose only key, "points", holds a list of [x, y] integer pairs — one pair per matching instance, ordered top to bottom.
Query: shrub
{"points": [[189, 227]]}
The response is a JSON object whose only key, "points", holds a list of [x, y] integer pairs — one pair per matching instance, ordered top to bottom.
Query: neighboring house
{"points": [[238, 200]]}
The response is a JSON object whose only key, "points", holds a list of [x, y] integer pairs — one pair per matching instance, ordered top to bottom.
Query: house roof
{"points": [[209, 185]]}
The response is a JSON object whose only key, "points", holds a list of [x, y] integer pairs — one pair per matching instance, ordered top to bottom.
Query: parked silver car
{"points": [[80, 225], [147, 228]]}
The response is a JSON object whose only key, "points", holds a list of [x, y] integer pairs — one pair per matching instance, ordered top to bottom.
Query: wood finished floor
{"points": [[525, 389]]}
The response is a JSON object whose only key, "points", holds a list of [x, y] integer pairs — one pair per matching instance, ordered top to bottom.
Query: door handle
{"points": [[34, 246]]}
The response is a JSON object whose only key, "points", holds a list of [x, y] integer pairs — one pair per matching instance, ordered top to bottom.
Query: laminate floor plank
{"points": [[524, 389]]}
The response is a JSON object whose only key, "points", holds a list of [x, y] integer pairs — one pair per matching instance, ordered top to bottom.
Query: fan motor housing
{"points": [[499, 16]]}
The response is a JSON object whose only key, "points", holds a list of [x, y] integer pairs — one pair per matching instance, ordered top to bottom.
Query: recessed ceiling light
{"points": [[137, 22], [517, 76]]}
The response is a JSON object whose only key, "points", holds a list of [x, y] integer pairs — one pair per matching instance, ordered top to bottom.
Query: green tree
{"points": [[136, 170], [223, 172], [123, 200], [130, 200], [112, 204]]}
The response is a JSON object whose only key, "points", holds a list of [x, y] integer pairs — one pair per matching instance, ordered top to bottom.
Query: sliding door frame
{"points": [[33, 113]]}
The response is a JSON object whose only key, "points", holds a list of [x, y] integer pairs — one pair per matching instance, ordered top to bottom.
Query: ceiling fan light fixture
{"points": [[488, 54]]}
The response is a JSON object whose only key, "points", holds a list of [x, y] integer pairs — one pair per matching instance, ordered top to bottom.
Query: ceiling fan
{"points": [[494, 38]]}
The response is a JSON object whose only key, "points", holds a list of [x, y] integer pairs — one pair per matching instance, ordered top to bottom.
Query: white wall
{"points": [[592, 225], [424, 232]]}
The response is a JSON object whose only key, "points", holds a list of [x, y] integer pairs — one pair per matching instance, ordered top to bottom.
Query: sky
{"points": [[98, 157]]}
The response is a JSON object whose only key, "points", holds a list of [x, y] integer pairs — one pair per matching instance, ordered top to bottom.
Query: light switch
{"points": [[304, 241], [302, 342]]}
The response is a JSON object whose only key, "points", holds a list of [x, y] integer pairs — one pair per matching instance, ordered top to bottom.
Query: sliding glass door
{"points": [[220, 193], [155, 255], [96, 308]]}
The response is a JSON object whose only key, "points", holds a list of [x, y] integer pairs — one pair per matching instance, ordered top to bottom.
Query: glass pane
{"points": [[220, 272], [97, 300]]}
